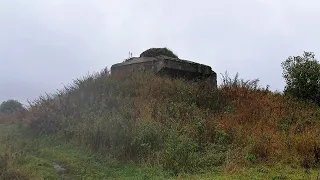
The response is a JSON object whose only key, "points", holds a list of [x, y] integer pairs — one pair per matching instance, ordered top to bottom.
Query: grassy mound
{"points": [[154, 52], [180, 126]]}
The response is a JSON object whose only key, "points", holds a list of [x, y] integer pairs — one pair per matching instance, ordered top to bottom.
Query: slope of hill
{"points": [[166, 126]]}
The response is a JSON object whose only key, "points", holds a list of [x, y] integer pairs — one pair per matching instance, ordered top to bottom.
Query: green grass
{"points": [[40, 153], [33, 156]]}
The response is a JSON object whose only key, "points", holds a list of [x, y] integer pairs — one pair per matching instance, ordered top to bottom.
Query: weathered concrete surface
{"points": [[168, 66]]}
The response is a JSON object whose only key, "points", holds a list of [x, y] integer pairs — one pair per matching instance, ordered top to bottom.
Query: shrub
{"points": [[154, 52], [302, 76], [236, 82], [10, 106], [149, 140], [179, 154]]}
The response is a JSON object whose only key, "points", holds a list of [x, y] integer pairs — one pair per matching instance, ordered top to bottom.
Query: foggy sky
{"points": [[44, 44]]}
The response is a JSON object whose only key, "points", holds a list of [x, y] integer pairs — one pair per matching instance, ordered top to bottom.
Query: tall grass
{"points": [[184, 127], [269, 127]]}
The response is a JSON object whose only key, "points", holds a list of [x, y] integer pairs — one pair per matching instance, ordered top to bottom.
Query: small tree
{"points": [[302, 76], [10, 106]]}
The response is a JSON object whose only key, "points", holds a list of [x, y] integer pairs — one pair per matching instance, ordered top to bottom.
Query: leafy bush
{"points": [[154, 52], [302, 76], [10, 106], [149, 140], [179, 154]]}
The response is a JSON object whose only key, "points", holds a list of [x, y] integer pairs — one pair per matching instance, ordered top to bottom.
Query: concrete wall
{"points": [[133, 67], [192, 67], [171, 68]]}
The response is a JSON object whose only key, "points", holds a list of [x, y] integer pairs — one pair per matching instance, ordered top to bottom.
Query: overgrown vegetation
{"points": [[154, 52], [143, 118], [179, 126]]}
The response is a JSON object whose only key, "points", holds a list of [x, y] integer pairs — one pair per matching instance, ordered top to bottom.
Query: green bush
{"points": [[154, 52], [302, 76], [10, 106], [222, 138], [149, 140], [179, 154], [182, 154]]}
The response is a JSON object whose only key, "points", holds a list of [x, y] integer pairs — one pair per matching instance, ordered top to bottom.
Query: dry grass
{"points": [[276, 127]]}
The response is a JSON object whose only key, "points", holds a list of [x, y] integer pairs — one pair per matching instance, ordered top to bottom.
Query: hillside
{"points": [[162, 128]]}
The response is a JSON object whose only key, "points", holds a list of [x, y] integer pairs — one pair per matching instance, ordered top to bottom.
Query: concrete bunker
{"points": [[164, 65]]}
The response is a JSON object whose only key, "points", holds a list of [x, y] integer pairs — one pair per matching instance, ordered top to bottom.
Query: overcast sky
{"points": [[47, 43]]}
